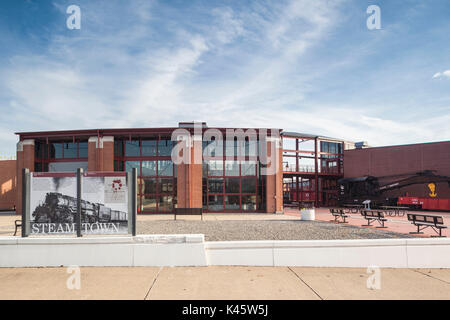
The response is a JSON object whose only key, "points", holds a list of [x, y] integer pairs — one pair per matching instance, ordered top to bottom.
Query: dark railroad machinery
{"points": [[356, 190], [59, 208]]}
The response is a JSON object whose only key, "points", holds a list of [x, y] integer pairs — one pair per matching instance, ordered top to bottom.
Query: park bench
{"points": [[353, 208], [394, 210], [188, 211], [338, 214], [374, 215], [423, 221], [18, 224]]}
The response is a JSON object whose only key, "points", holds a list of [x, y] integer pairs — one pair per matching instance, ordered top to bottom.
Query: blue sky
{"points": [[306, 66]]}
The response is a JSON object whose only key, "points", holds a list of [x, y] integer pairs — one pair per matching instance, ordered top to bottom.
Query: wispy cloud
{"points": [[298, 65]]}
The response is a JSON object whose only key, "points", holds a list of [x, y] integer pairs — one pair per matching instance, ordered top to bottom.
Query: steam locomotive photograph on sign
{"points": [[53, 205]]}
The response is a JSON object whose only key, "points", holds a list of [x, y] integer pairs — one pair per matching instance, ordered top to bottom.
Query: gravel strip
{"points": [[228, 230]]}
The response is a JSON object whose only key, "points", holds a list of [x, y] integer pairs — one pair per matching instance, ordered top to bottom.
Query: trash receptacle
{"points": [[308, 214]]}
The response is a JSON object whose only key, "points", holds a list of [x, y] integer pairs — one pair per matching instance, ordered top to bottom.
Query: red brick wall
{"points": [[397, 160], [8, 184]]}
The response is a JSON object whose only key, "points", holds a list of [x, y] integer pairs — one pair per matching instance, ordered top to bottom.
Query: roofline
{"points": [[114, 131], [401, 145]]}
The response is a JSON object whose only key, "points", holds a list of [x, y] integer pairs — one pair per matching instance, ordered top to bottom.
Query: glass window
{"points": [[149, 147], [165, 147], [231, 147], [118, 148], [132, 148], [251, 148], [83, 149], [214, 149], [70, 150], [41, 151], [56, 151], [129, 165], [118, 166], [148, 168], [165, 168], [215, 168], [231, 168], [248, 169], [148, 185], [165, 185], [215, 185], [232, 185], [249, 185], [232, 202], [248, 202], [149, 203], [165, 203], [215, 203]]}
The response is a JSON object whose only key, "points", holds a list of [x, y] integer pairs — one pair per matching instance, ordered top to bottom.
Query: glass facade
{"points": [[60, 155], [157, 175], [233, 185]]}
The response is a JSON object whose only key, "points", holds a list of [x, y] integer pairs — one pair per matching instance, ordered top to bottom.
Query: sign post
{"points": [[79, 193], [25, 201]]}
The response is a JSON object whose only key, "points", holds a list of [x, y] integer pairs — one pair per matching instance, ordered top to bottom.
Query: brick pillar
{"points": [[92, 153], [108, 153], [101, 154], [25, 159], [196, 173], [189, 179], [274, 182]]}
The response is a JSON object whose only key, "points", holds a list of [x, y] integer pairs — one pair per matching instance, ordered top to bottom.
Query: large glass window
{"points": [[165, 147], [83, 148], [132, 148], [70, 150], [56, 151], [129, 165], [148, 168], [165, 168], [215, 168], [232, 168], [157, 173], [215, 185], [232, 185], [215, 202], [232, 202]]}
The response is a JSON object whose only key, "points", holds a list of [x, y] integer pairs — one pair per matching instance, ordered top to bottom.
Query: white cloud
{"points": [[234, 68], [443, 74]]}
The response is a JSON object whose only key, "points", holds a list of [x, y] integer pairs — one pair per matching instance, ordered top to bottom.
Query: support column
{"points": [[101, 153], [24, 159], [274, 182]]}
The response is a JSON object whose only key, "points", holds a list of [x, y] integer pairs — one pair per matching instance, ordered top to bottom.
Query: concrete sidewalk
{"points": [[230, 283]]}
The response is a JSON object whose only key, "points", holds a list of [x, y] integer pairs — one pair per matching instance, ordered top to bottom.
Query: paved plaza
{"points": [[216, 282]]}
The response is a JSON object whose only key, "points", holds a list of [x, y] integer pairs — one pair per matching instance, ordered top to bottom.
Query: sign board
{"points": [[104, 203]]}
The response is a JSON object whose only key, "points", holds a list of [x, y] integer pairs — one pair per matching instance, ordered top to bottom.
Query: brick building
{"points": [[224, 183]]}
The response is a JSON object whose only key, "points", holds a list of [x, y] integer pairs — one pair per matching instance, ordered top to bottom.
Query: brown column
{"points": [[92, 153], [101, 153], [108, 153], [25, 159], [196, 171]]}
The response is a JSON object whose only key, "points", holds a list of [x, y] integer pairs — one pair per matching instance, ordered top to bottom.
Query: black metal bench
{"points": [[352, 208], [394, 210], [188, 211], [337, 214], [373, 215], [423, 221], [18, 224]]}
